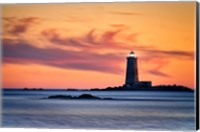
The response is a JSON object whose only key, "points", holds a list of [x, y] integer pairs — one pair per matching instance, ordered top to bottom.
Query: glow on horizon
{"points": [[86, 45]]}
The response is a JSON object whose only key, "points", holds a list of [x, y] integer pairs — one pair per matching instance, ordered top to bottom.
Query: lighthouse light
{"points": [[132, 54]]}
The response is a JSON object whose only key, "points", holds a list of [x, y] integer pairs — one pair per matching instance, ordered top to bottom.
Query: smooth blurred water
{"points": [[138, 110]]}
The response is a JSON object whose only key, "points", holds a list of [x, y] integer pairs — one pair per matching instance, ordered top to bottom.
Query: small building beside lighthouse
{"points": [[132, 77]]}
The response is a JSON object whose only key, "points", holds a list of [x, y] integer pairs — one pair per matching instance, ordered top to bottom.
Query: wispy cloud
{"points": [[17, 26], [90, 40], [109, 40], [88, 45], [24, 53], [176, 54], [159, 59], [158, 65], [158, 73]]}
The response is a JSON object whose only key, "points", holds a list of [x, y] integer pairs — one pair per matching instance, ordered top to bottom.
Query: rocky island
{"points": [[83, 96]]}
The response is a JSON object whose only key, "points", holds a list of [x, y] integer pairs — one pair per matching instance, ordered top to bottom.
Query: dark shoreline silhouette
{"points": [[153, 88], [175, 88], [33, 89]]}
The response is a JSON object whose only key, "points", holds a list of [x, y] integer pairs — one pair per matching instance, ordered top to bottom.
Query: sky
{"points": [[86, 45]]}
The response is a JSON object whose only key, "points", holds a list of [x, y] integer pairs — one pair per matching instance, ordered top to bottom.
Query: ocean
{"points": [[129, 110]]}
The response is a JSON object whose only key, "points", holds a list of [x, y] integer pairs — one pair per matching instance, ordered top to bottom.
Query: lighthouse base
{"points": [[141, 84]]}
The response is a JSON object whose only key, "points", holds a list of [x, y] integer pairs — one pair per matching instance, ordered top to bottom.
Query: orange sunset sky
{"points": [[85, 45]]}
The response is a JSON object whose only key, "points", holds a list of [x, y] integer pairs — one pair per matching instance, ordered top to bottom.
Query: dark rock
{"points": [[83, 96], [87, 96]]}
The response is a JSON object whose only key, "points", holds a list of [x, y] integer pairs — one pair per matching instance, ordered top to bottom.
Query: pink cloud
{"points": [[17, 26]]}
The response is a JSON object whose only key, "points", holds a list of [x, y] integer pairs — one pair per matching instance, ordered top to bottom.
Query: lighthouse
{"points": [[131, 70]]}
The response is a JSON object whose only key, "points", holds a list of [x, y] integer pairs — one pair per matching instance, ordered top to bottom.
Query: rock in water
{"points": [[83, 96], [87, 96]]}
